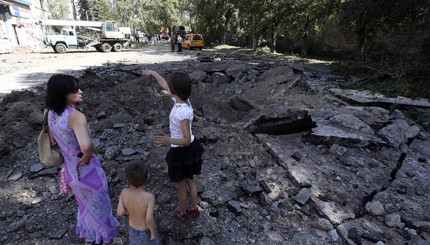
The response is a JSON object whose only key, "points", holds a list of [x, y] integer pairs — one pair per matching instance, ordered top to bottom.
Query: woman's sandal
{"points": [[194, 212], [183, 217]]}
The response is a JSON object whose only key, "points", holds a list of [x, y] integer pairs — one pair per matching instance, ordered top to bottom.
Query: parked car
{"points": [[192, 41]]}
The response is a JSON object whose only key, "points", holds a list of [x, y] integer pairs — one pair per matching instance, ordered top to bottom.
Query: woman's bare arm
{"points": [[78, 123]]}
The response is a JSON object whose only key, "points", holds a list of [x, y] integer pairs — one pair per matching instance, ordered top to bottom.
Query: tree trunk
{"points": [[228, 13], [75, 15], [226, 22], [253, 30], [361, 36], [274, 37], [305, 37], [254, 41], [305, 45]]}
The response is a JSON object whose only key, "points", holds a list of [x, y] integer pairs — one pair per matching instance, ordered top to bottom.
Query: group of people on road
{"points": [[84, 174]]}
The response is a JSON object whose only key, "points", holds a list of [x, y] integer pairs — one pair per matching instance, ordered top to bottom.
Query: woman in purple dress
{"points": [[83, 171]]}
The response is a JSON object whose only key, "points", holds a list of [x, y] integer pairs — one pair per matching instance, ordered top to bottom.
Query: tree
{"points": [[84, 7], [59, 9], [94, 10], [105, 10], [124, 11], [277, 12], [228, 14], [149, 15], [251, 15], [306, 16], [368, 17], [209, 19]]}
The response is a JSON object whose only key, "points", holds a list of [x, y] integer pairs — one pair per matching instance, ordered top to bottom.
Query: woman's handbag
{"points": [[49, 152]]}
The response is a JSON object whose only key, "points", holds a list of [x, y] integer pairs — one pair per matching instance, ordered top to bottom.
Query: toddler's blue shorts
{"points": [[139, 237]]}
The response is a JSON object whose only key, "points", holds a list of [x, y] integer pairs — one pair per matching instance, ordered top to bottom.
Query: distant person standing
{"points": [[136, 35], [154, 38], [179, 41], [172, 43]]}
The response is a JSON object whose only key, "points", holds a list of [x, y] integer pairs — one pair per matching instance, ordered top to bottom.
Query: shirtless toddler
{"points": [[139, 204]]}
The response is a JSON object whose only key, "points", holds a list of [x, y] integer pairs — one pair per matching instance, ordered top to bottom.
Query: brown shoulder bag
{"points": [[49, 152]]}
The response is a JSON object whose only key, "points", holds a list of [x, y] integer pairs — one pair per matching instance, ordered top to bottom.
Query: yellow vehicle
{"points": [[192, 41]]}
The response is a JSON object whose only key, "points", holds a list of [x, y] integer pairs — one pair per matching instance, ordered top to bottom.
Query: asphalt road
{"points": [[25, 70]]}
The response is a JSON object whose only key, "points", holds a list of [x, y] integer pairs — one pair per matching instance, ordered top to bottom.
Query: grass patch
{"points": [[408, 80]]}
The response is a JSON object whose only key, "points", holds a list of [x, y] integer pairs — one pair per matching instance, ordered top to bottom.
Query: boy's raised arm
{"points": [[120, 210], [150, 216]]}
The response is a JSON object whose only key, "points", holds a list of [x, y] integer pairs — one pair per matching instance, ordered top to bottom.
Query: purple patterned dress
{"points": [[95, 221]]}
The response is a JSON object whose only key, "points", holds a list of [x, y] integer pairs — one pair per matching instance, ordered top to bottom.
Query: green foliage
{"points": [[59, 9], [84, 9], [93, 10], [105, 10], [123, 11], [147, 15], [307, 15], [367, 18], [211, 19], [402, 79]]}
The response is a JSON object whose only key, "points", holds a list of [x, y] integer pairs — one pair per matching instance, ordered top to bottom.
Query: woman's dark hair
{"points": [[180, 85], [59, 86], [136, 173]]}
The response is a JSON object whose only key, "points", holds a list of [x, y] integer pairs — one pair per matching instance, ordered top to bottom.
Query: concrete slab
{"points": [[370, 98], [340, 183], [408, 194]]}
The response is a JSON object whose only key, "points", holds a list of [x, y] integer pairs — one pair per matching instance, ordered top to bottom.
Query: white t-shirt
{"points": [[179, 39], [179, 112]]}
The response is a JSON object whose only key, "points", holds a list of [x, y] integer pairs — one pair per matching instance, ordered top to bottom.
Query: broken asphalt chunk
{"points": [[293, 122], [265, 186], [251, 187], [303, 196], [58, 234]]}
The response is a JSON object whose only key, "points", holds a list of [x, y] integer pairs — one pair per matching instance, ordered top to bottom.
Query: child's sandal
{"points": [[194, 212], [184, 217]]}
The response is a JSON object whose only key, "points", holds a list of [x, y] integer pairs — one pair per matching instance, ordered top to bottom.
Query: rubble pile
{"points": [[289, 157]]}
